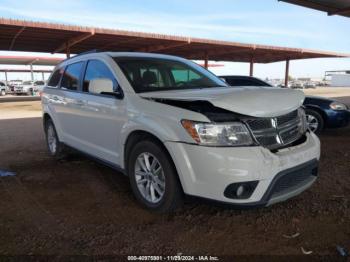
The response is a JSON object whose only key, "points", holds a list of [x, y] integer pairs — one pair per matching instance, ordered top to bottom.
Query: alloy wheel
{"points": [[312, 122], [51, 139], [150, 178]]}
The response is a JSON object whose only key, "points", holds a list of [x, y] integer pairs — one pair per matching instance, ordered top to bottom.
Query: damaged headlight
{"points": [[303, 125], [218, 134]]}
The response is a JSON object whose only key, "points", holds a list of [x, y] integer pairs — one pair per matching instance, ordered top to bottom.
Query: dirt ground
{"points": [[78, 207]]}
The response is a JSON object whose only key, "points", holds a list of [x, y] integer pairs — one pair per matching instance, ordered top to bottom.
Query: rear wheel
{"points": [[314, 120], [55, 147], [153, 178]]}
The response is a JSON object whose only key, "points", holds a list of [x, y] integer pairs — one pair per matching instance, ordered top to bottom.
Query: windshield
{"points": [[155, 74], [27, 83]]}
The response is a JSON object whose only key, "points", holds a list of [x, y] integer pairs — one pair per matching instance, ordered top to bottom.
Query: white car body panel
{"points": [[262, 102], [100, 126], [206, 171]]}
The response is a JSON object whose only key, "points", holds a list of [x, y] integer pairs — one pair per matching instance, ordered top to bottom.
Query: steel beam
{"points": [[342, 11], [13, 41], [73, 41], [112, 44], [162, 47], [218, 52]]}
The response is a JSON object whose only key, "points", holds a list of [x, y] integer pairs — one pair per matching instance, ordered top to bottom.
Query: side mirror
{"points": [[223, 79], [100, 85], [104, 86]]}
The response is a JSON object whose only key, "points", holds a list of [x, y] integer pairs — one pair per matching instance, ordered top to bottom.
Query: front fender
{"points": [[160, 120]]}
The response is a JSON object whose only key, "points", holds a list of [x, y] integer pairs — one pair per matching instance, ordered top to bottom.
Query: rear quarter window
{"points": [[71, 76], [55, 78]]}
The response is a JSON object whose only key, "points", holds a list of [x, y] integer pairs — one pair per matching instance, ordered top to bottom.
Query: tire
{"points": [[2, 93], [315, 121], [54, 146], [164, 181]]}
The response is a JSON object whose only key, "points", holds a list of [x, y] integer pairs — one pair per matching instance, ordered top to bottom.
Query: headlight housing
{"points": [[338, 106], [302, 122], [218, 134]]}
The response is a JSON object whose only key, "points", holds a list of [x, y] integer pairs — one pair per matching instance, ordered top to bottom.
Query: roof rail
{"points": [[88, 52], [83, 53]]}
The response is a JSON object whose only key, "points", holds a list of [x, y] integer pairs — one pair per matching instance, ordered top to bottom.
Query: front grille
{"points": [[287, 118], [259, 124], [277, 132], [293, 180]]}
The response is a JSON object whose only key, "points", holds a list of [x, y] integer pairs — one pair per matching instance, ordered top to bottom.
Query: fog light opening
{"points": [[240, 191]]}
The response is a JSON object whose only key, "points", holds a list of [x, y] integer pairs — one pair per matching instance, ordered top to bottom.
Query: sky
{"points": [[250, 21]]}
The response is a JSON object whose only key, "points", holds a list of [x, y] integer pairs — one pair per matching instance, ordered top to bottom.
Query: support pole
{"points": [[67, 50], [206, 61], [251, 68], [31, 72], [287, 74], [43, 76], [6, 78]]}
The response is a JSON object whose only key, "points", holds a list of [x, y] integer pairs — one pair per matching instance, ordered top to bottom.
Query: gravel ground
{"points": [[78, 207]]}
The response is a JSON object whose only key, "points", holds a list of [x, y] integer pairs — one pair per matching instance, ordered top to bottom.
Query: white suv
{"points": [[175, 128]]}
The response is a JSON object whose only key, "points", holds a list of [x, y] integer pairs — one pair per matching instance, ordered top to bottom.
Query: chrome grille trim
{"points": [[276, 132]]}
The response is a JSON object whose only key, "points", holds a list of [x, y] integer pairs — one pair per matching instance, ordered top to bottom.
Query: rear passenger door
{"points": [[99, 118]]}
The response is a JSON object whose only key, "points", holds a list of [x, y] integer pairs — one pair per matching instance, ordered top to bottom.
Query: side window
{"points": [[97, 69], [71, 76], [55, 78]]}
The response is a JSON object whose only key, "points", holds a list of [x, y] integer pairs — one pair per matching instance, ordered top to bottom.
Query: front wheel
{"points": [[2, 93], [314, 120], [55, 147], [153, 178]]}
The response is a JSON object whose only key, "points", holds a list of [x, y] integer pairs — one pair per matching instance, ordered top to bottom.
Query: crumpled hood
{"points": [[251, 101]]}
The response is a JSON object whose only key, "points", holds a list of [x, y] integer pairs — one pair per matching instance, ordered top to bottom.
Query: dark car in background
{"points": [[320, 112]]}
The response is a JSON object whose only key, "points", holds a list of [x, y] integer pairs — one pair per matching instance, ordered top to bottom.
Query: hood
{"points": [[319, 98], [257, 102]]}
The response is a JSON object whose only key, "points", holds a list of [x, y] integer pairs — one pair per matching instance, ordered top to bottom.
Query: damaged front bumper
{"points": [[208, 171]]}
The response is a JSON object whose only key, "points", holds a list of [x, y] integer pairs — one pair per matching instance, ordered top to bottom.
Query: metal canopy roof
{"points": [[332, 7], [19, 35], [27, 60]]}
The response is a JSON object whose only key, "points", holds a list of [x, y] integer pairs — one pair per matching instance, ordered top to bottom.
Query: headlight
{"points": [[338, 106], [302, 123], [218, 134]]}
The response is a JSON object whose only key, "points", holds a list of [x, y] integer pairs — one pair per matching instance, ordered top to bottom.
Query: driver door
{"points": [[99, 118]]}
